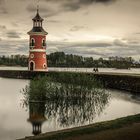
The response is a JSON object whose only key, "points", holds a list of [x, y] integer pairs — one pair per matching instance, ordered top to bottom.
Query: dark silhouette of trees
{"points": [[60, 59], [14, 60]]}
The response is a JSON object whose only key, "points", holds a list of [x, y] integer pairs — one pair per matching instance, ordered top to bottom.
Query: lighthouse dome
{"points": [[37, 25]]}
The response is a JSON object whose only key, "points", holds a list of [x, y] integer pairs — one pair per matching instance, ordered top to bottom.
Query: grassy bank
{"points": [[127, 82], [89, 130]]}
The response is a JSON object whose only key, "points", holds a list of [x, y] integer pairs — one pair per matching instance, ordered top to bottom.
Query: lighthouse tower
{"points": [[37, 45]]}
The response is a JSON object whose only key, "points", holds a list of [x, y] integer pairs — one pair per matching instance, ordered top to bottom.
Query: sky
{"points": [[96, 28]]}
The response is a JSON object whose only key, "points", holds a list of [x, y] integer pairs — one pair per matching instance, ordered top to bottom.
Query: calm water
{"points": [[13, 118]]}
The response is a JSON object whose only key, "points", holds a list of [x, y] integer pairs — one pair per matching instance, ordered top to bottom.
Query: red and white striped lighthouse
{"points": [[37, 49]]}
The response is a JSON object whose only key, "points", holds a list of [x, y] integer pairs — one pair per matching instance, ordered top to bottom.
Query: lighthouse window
{"points": [[32, 42], [43, 43], [32, 55], [44, 55], [44, 66]]}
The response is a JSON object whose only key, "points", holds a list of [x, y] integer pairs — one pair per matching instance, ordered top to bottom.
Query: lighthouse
{"points": [[37, 45]]}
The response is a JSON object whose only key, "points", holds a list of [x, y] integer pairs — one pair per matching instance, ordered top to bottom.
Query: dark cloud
{"points": [[2, 1], [82, 1], [94, 1], [67, 5], [73, 5], [70, 6], [55, 7], [3, 9], [54, 21], [2, 27], [76, 28], [138, 33], [13, 34], [118, 42], [126, 43], [78, 45], [90, 45], [14, 47], [75, 48], [95, 49]]}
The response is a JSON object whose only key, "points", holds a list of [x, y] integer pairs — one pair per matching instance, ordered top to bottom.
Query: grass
{"points": [[90, 129]]}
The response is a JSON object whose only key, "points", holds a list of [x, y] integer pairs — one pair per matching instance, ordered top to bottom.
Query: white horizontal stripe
{"points": [[37, 50], [40, 70]]}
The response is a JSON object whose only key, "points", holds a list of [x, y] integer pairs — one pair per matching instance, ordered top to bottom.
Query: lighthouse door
{"points": [[31, 66]]}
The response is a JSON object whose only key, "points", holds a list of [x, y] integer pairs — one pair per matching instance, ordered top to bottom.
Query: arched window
{"points": [[32, 42], [43, 43]]}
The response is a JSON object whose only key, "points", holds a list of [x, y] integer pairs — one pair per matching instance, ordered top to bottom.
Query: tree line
{"points": [[60, 59]]}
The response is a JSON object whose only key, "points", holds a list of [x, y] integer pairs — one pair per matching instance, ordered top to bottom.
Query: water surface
{"points": [[13, 118]]}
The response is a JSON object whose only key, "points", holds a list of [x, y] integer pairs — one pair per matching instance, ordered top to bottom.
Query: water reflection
{"points": [[68, 104], [36, 115]]}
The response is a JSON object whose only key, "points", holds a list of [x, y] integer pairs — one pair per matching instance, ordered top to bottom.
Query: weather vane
{"points": [[37, 5]]}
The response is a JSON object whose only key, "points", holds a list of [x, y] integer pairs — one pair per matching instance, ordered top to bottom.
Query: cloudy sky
{"points": [[97, 28]]}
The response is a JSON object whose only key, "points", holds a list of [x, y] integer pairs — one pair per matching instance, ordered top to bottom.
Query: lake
{"points": [[14, 119]]}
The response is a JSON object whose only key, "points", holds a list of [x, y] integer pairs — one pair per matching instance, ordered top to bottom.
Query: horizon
{"points": [[95, 28], [117, 57]]}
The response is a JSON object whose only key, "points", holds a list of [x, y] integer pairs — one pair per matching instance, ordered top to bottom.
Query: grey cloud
{"points": [[2, 1], [82, 1], [95, 1], [72, 5], [58, 6], [3, 10], [47, 11], [54, 21], [2, 27], [76, 28], [13, 34], [118, 42], [126, 43], [80, 44], [13, 47], [84, 49], [99, 49]]}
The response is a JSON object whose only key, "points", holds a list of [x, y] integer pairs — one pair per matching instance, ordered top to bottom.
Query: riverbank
{"points": [[121, 81], [123, 128]]}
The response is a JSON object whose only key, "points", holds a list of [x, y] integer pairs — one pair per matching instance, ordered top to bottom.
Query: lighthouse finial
{"points": [[38, 6]]}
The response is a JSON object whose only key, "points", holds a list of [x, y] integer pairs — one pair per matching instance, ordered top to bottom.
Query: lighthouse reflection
{"points": [[36, 116]]}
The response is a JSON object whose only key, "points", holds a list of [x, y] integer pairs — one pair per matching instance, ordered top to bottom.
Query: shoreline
{"points": [[120, 81], [121, 125]]}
